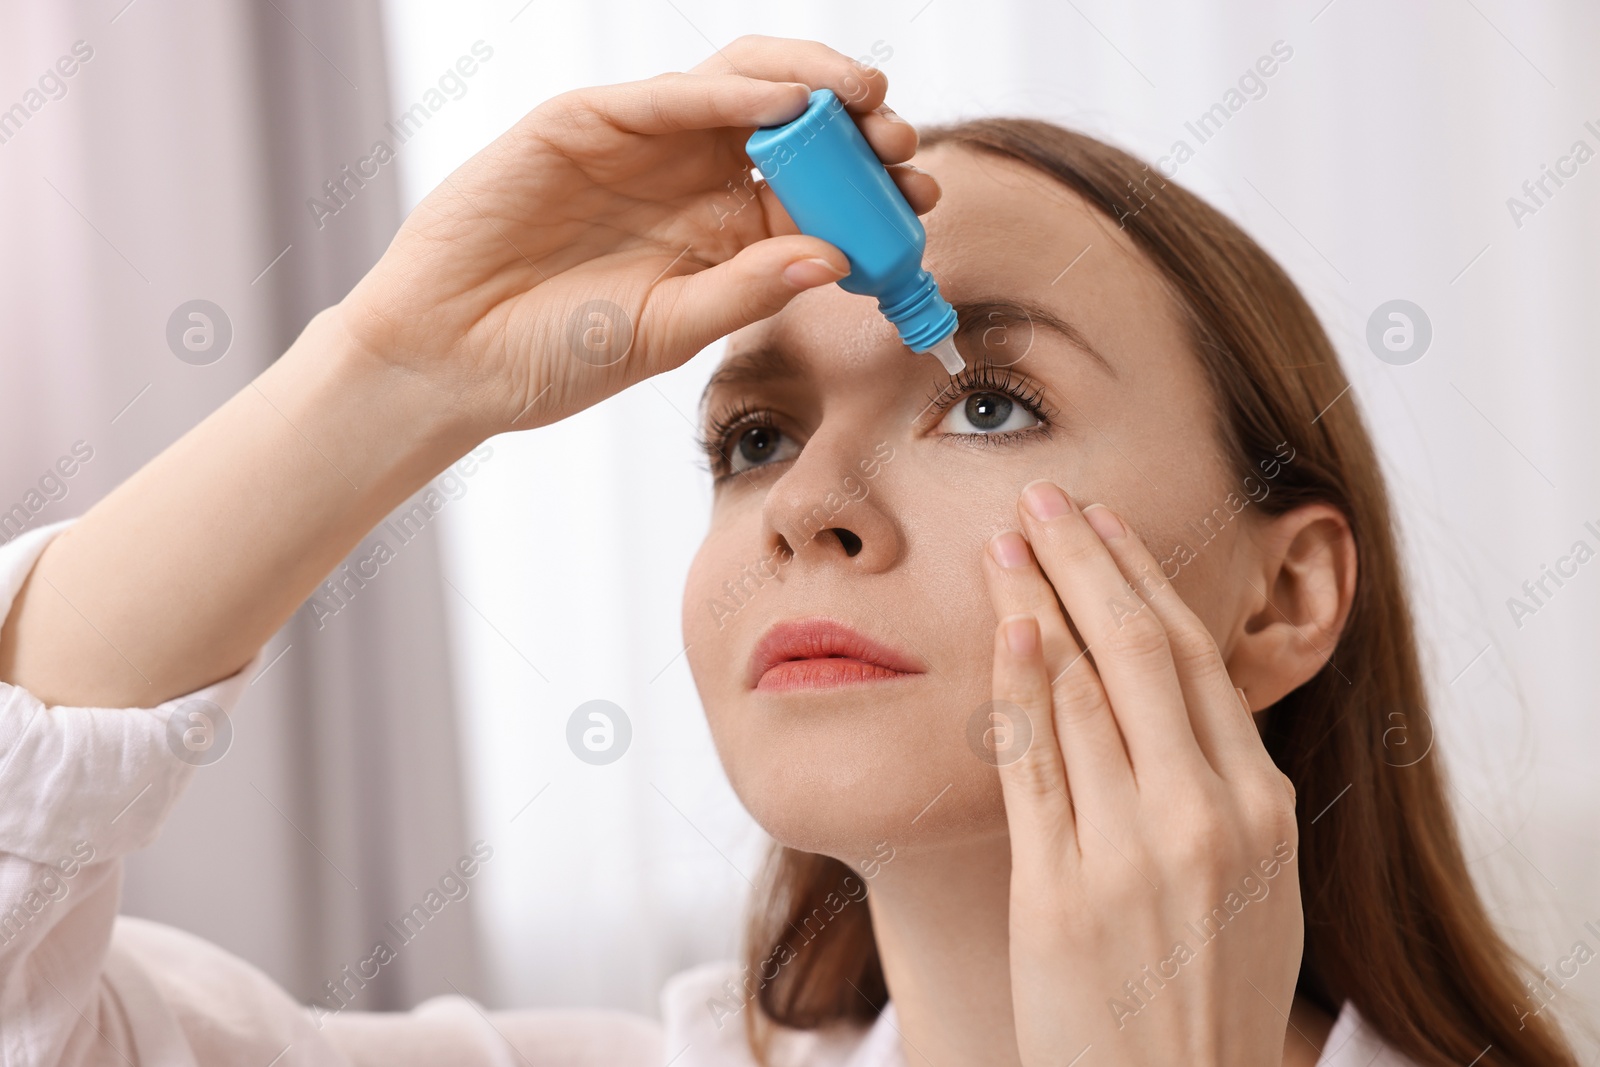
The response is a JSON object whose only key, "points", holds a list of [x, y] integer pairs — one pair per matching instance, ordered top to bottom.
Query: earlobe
{"points": [[1295, 604]]}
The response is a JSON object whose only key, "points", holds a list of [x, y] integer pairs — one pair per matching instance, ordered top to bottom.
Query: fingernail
{"points": [[890, 114], [808, 273], [1045, 500], [1104, 521], [1009, 549], [1022, 635]]}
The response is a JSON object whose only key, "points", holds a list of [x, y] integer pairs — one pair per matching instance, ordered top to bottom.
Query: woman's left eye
{"points": [[987, 412]]}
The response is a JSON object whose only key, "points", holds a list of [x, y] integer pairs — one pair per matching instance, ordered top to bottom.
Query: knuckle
{"points": [[747, 44], [657, 89], [570, 112], [759, 302], [1069, 544], [1149, 578], [1031, 593], [1138, 639], [1194, 649], [1016, 689], [1077, 696], [1034, 775], [1260, 804], [1269, 807], [1282, 817], [1202, 839]]}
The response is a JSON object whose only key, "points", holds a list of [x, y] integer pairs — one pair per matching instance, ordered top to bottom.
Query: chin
{"points": [[842, 772]]}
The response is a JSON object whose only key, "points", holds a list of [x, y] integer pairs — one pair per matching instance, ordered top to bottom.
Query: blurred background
{"points": [[226, 152]]}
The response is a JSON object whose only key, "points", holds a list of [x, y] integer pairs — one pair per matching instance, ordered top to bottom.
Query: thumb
{"points": [[754, 284]]}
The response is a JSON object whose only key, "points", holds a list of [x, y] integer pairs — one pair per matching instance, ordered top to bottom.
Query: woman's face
{"points": [[858, 483]]}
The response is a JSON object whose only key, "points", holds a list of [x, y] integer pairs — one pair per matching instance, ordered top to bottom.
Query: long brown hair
{"points": [[1392, 922]]}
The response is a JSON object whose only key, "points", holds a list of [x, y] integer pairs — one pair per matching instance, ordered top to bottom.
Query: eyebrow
{"points": [[981, 315], [764, 363], [774, 363]]}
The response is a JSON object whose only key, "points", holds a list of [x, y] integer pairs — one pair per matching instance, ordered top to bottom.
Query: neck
{"points": [[940, 918], [941, 921]]}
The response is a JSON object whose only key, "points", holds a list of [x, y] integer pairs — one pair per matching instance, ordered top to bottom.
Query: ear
{"points": [[1296, 603]]}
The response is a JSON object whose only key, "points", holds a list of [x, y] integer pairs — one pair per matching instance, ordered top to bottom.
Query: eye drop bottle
{"points": [[834, 186]]}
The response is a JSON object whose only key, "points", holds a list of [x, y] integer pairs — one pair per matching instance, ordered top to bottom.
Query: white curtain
{"points": [[170, 157], [1375, 161]]}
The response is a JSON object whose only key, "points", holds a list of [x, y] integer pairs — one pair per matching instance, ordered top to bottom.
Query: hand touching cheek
{"points": [[1143, 811]]}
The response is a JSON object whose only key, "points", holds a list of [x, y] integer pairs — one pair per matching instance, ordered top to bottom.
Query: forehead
{"points": [[1003, 230]]}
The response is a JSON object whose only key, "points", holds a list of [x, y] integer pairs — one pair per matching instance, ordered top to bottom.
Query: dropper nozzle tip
{"points": [[949, 357]]}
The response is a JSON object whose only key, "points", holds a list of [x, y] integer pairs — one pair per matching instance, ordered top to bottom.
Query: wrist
{"points": [[385, 428]]}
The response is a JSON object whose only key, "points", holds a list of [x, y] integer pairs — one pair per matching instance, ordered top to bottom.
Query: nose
{"points": [[830, 506]]}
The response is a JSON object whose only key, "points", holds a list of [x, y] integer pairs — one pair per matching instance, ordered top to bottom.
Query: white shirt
{"points": [[79, 985]]}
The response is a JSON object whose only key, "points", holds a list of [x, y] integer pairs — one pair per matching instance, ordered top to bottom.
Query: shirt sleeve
{"points": [[82, 787]]}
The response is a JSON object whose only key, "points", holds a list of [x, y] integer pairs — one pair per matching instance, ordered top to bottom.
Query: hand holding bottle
{"points": [[610, 235]]}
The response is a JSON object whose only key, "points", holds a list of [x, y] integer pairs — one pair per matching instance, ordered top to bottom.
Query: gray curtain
{"points": [[175, 162]]}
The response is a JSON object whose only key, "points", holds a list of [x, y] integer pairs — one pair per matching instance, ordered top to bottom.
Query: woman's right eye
{"points": [[756, 446]]}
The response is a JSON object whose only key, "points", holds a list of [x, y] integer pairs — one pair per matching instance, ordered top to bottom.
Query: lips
{"points": [[819, 653]]}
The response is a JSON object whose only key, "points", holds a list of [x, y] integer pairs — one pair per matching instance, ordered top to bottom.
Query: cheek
{"points": [[1209, 556], [698, 601], [716, 606]]}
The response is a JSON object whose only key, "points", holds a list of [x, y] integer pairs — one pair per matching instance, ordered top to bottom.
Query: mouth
{"points": [[820, 653]]}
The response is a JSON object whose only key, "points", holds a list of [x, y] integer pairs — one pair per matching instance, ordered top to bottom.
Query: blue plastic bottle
{"points": [[834, 187]]}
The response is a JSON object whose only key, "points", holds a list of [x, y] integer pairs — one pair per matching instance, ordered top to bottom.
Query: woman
{"points": [[1026, 815]]}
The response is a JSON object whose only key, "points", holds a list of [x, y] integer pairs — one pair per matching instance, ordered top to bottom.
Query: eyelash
{"points": [[981, 376], [713, 443]]}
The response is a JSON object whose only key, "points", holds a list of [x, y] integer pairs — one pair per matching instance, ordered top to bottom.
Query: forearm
{"points": [[177, 577]]}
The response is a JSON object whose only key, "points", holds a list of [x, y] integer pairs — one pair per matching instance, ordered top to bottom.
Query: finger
{"points": [[784, 59], [670, 103], [891, 137], [920, 188], [700, 307], [1016, 584], [1129, 646], [1222, 727], [1092, 751], [1033, 781]]}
